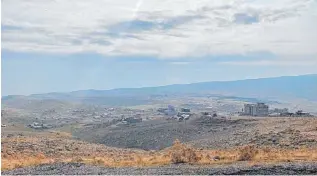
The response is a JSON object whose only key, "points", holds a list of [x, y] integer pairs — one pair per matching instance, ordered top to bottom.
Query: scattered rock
{"points": [[216, 158], [179, 169]]}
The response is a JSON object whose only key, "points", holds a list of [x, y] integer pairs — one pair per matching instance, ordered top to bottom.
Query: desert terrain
{"points": [[158, 87], [134, 131], [200, 145]]}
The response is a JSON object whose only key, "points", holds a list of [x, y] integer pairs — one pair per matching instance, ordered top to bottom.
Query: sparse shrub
{"points": [[177, 142], [267, 150], [180, 153], [247, 153], [4, 155], [191, 155], [40, 156], [153, 158], [177, 158], [77, 160], [138, 160], [98, 162], [18, 165]]}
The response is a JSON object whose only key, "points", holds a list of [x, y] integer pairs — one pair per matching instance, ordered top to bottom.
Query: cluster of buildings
{"points": [[261, 109], [171, 112], [298, 113], [184, 114]]}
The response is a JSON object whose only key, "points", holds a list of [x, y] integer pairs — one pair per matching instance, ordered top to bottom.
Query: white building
{"points": [[259, 109]]}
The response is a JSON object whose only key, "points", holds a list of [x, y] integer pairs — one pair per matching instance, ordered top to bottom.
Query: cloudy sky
{"points": [[66, 45]]}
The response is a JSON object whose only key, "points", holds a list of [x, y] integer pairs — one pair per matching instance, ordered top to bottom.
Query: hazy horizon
{"points": [[156, 85]]}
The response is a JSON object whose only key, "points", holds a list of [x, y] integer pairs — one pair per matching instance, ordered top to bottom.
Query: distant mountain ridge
{"points": [[285, 87]]}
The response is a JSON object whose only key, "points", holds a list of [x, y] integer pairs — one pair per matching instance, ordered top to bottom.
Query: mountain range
{"points": [[277, 88]]}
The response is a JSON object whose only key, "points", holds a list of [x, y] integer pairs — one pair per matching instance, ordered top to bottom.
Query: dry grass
{"points": [[178, 153], [247, 153], [23, 161]]}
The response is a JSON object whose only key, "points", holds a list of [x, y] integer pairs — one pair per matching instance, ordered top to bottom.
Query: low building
{"points": [[162, 110], [185, 110], [205, 113], [300, 113], [209, 114], [186, 116], [132, 120], [36, 125]]}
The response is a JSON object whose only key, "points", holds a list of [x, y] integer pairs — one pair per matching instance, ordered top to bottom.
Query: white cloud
{"points": [[162, 28]]}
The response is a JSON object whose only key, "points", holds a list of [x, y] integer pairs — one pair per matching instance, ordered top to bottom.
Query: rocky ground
{"points": [[205, 132], [158, 134], [288, 140], [180, 169]]}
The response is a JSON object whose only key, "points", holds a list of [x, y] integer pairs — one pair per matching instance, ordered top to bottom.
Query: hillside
{"points": [[53, 152]]}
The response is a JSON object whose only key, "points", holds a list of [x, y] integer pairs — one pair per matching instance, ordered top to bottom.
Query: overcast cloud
{"points": [[162, 28]]}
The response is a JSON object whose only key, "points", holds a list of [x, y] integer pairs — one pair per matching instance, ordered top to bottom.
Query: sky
{"points": [[61, 46]]}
